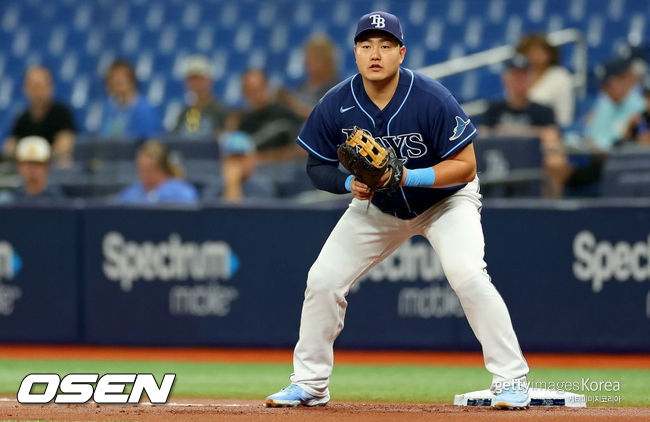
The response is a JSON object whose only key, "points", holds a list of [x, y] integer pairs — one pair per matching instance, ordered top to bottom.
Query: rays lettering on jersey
{"points": [[407, 145]]}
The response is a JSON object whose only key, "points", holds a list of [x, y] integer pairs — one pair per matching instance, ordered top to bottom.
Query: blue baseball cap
{"points": [[380, 21], [611, 68], [238, 142]]}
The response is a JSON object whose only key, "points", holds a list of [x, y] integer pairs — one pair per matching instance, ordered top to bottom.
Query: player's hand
{"points": [[384, 178], [360, 190]]}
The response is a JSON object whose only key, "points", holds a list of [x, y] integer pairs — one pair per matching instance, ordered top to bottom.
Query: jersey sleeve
{"points": [[451, 128], [318, 135]]}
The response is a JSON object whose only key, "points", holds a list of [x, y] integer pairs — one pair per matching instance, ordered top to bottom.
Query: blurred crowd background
{"points": [[171, 101]]}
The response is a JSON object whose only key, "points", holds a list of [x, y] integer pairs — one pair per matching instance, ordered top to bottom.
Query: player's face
{"points": [[378, 57]]}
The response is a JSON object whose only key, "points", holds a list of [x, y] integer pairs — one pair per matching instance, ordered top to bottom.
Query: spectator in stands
{"points": [[321, 66], [551, 83], [616, 105], [126, 114], [518, 116], [44, 117], [204, 117], [271, 126], [638, 128], [33, 154], [237, 163], [160, 179]]}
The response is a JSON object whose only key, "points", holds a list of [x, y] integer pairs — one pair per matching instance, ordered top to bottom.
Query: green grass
{"points": [[435, 384]]}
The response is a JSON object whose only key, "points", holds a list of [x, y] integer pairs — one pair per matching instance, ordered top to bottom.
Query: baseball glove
{"points": [[367, 160]]}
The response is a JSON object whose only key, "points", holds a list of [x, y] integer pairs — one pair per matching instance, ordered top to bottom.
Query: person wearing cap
{"points": [[616, 105], [126, 114], [516, 115], [204, 116], [44, 117], [261, 134], [33, 155], [238, 163], [432, 191]]}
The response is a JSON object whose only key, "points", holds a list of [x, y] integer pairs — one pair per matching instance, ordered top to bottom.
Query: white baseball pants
{"points": [[361, 239]]}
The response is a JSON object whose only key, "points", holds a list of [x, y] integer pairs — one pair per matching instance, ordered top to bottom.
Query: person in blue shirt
{"points": [[618, 102], [126, 114], [638, 127], [160, 179], [438, 198]]}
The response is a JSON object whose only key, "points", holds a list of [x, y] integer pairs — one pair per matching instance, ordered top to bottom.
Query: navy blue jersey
{"points": [[423, 123]]}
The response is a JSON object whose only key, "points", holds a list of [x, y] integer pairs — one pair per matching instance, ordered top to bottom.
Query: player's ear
{"points": [[402, 53]]}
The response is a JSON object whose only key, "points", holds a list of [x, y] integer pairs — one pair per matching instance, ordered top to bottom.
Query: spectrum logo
{"points": [[10, 261], [127, 261]]}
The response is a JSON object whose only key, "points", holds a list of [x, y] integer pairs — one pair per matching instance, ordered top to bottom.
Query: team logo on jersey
{"points": [[377, 21], [460, 128]]}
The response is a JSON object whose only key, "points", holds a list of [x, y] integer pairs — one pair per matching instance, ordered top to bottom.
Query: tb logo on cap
{"points": [[377, 21]]}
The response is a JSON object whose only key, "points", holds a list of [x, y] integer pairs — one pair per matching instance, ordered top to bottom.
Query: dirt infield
{"points": [[354, 357], [180, 409], [246, 410]]}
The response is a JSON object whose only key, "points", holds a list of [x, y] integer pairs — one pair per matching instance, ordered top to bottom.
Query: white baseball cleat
{"points": [[293, 396], [513, 396]]}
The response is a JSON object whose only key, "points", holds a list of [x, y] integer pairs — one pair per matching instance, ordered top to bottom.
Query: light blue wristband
{"points": [[420, 178], [348, 183]]}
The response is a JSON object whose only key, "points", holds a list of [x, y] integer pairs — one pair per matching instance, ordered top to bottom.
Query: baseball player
{"points": [[436, 196]]}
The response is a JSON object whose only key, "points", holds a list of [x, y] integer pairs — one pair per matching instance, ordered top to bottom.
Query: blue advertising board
{"points": [[228, 276], [574, 277], [573, 280], [39, 292]]}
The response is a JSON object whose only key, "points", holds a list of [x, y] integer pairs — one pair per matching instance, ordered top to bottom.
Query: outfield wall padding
{"points": [[573, 274]]}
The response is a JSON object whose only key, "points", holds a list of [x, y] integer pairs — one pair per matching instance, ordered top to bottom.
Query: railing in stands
{"points": [[505, 52]]}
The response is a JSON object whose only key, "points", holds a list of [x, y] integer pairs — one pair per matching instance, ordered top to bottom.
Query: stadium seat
{"points": [[78, 40]]}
